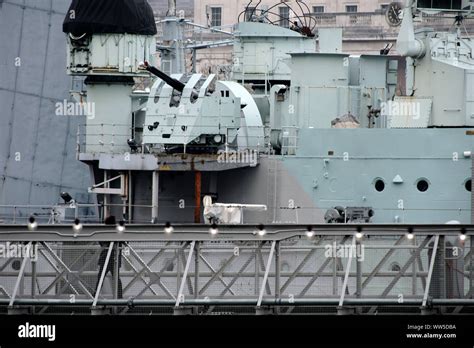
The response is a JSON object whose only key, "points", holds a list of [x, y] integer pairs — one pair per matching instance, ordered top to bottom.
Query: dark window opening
{"points": [[351, 8], [318, 9], [250, 13], [216, 16], [284, 17], [379, 185], [422, 185], [468, 185]]}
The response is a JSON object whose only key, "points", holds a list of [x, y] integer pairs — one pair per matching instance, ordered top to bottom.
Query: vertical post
{"points": [[172, 8], [194, 61], [155, 192], [124, 196], [106, 197], [197, 197], [130, 208], [442, 266], [178, 268], [471, 268], [196, 269], [413, 269], [358, 270], [116, 271], [277, 271], [348, 271], [430, 272], [33, 274], [20, 275], [116, 275], [277, 275], [102, 276], [265, 277], [335, 278], [256, 280], [180, 297]]}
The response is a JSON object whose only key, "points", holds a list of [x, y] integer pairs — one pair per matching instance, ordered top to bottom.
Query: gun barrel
{"points": [[178, 85]]}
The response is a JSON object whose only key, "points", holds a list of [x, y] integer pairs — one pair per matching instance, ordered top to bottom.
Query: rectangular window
{"points": [[441, 4], [351, 8], [384, 8], [318, 9], [250, 12], [216, 16], [284, 17]]}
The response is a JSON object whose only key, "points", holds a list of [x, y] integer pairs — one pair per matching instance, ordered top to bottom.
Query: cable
{"points": [[255, 9], [244, 11], [302, 13]]}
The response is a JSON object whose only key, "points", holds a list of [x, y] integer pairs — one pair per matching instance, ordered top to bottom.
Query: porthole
{"points": [[379, 185], [422, 185], [468, 185], [16, 265]]}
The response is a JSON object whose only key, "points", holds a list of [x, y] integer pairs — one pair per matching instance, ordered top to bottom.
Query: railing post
{"points": [[155, 198], [471, 267], [196, 269], [116, 270], [277, 271], [358, 271], [430, 275], [19, 278], [101, 280], [264, 282], [180, 297], [341, 309]]}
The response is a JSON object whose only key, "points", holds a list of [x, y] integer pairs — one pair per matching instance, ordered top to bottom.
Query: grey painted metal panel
{"points": [[30, 130]]}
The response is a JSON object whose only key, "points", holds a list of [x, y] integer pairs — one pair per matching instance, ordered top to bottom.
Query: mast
{"points": [[172, 8], [172, 58]]}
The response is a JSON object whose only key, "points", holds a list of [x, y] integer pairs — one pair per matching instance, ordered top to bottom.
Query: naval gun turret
{"points": [[177, 85], [198, 114]]}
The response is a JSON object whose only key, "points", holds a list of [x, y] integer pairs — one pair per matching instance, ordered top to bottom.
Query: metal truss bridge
{"points": [[241, 269]]}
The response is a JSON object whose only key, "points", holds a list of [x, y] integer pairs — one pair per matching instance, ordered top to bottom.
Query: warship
{"points": [[315, 135], [310, 181]]}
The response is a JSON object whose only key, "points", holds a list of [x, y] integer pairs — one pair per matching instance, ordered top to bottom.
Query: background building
{"points": [[160, 7], [365, 29]]}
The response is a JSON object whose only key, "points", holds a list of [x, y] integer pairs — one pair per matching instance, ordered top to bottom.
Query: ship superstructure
{"points": [[405, 157]]}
